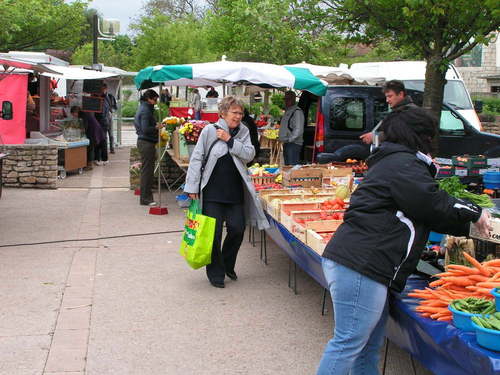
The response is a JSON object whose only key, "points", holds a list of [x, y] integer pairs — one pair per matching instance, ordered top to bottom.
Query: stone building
{"points": [[480, 68]]}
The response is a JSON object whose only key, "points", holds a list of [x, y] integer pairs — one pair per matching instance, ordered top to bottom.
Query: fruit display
{"points": [[271, 133], [266, 170], [259, 187]]}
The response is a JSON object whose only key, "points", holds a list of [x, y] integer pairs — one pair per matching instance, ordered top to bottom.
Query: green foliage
{"points": [[41, 24], [264, 31], [161, 40], [117, 53], [126, 93], [278, 100], [491, 105], [129, 108], [256, 109], [275, 111]]}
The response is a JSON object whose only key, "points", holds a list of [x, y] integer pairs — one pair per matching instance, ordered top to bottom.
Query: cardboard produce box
{"points": [[179, 146], [470, 161], [305, 177], [494, 234]]}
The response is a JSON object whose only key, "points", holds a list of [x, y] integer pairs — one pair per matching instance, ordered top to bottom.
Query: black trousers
{"points": [[101, 151], [148, 157], [224, 258]]}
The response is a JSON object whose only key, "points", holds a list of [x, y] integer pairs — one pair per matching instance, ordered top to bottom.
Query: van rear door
{"points": [[350, 111]]}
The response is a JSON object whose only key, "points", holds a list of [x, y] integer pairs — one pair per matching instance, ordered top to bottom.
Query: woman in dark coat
{"points": [[147, 137], [384, 232]]}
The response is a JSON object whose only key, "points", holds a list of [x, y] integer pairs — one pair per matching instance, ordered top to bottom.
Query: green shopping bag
{"points": [[199, 230]]}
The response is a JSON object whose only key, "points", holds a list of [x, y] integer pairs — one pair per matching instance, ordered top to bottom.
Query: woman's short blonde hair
{"points": [[228, 102]]}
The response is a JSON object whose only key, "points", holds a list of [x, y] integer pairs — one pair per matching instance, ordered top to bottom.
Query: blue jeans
{"points": [[291, 153], [360, 314]]}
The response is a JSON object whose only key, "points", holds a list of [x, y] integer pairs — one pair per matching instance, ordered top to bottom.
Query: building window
{"points": [[472, 59], [495, 89]]}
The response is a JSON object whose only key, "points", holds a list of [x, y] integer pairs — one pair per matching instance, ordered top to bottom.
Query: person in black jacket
{"points": [[249, 122], [147, 137], [380, 242]]}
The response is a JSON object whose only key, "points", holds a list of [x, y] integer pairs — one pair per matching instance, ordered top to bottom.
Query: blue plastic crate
{"points": [[435, 237]]}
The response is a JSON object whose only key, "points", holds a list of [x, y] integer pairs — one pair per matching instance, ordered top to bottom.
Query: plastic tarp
{"points": [[69, 72], [235, 72], [14, 89], [439, 346]]}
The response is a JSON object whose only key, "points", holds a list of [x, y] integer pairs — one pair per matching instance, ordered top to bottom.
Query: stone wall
{"points": [[489, 67], [30, 166]]}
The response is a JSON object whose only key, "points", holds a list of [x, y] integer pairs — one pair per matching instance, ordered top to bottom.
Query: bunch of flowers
{"points": [[171, 122], [191, 130], [135, 169]]}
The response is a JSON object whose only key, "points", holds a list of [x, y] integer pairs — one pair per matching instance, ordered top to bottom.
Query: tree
{"points": [[173, 8], [41, 24], [438, 30], [265, 31], [163, 40], [117, 53]]}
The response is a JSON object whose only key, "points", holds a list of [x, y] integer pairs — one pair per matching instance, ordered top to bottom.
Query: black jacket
{"points": [[145, 123], [391, 214]]}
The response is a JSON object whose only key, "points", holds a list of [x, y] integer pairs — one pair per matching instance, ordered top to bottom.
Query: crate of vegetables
{"points": [[469, 161], [287, 208], [302, 220], [318, 233], [488, 330]]}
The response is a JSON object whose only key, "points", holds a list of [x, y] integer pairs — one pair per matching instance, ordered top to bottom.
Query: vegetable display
{"points": [[455, 188], [458, 282], [474, 305], [490, 322]]}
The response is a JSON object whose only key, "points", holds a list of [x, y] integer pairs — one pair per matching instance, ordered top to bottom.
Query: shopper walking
{"points": [[196, 104], [291, 130], [147, 137], [227, 193], [384, 232]]}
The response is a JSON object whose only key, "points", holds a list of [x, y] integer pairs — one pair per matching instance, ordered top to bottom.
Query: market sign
{"points": [[235, 72]]}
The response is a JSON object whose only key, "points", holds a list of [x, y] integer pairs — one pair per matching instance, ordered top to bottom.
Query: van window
{"points": [[455, 93], [380, 110], [347, 114], [450, 123]]}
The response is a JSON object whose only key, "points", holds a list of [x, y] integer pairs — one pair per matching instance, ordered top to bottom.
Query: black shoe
{"points": [[112, 151], [148, 203], [232, 275], [217, 284]]}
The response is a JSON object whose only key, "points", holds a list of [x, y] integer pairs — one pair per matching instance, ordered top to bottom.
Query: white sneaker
{"points": [[97, 162], [105, 162]]}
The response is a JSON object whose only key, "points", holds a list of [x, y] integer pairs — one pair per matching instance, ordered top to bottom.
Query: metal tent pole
{"points": [[159, 210]]}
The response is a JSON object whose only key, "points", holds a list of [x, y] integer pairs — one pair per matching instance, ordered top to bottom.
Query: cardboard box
{"points": [[179, 146], [305, 177], [289, 208], [315, 229], [494, 234]]}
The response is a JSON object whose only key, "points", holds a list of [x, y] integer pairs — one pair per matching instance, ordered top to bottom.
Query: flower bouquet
{"points": [[170, 123], [191, 130], [135, 175]]}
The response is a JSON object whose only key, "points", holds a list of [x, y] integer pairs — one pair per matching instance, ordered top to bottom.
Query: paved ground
{"points": [[90, 304]]}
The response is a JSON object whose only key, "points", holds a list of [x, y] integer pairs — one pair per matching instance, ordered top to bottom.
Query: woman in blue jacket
{"points": [[384, 232]]}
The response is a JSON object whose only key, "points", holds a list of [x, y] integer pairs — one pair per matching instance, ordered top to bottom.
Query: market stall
{"points": [[41, 109], [302, 212]]}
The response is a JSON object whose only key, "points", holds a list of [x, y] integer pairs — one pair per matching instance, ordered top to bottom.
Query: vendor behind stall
{"points": [[292, 130], [93, 131]]}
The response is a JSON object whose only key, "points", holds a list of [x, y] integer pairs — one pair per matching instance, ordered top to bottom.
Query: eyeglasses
{"points": [[236, 113]]}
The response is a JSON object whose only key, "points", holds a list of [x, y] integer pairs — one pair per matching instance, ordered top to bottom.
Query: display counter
{"points": [[439, 346]]}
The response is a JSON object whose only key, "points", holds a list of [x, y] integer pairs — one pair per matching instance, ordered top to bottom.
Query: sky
{"points": [[123, 10]]}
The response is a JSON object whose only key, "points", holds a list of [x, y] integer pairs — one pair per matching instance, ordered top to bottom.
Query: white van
{"points": [[412, 73]]}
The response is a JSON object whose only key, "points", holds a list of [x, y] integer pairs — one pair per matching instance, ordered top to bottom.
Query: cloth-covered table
{"points": [[184, 112], [439, 346]]}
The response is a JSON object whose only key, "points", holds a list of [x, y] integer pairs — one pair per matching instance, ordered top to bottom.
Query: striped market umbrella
{"points": [[235, 72]]}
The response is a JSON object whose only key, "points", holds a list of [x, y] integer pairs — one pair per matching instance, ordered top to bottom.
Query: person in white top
{"points": [[291, 130]]}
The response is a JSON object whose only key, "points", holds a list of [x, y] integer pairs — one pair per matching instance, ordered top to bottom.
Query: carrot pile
{"points": [[456, 283]]}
